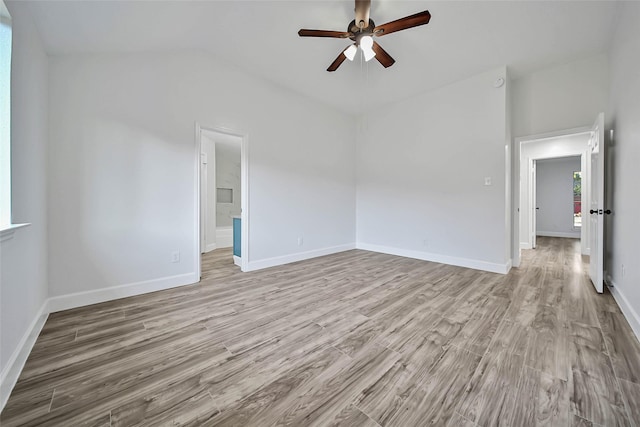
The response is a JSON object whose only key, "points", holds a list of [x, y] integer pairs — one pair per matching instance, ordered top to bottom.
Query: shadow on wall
{"points": [[610, 196]]}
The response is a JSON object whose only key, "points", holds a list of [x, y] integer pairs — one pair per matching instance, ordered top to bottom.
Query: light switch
{"points": [[487, 180]]}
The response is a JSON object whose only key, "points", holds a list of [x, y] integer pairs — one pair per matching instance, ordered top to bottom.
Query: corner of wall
{"points": [[632, 316], [15, 364]]}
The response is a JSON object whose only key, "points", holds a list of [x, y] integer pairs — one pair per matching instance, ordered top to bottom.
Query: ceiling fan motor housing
{"points": [[356, 33]]}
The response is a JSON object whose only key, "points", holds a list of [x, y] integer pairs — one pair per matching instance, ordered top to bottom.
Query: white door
{"points": [[534, 202], [596, 208]]}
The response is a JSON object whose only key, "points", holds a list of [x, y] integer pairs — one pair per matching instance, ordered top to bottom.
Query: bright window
{"points": [[5, 116], [577, 199]]}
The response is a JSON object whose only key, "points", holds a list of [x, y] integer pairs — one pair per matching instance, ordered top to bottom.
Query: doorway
{"points": [[572, 143], [223, 193], [556, 210]]}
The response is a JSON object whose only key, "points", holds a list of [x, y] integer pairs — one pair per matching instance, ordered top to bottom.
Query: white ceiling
{"points": [[463, 38]]}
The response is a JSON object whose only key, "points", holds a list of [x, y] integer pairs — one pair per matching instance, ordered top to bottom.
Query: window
{"points": [[5, 116], [577, 199]]}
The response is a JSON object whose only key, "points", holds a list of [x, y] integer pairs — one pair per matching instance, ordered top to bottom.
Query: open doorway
{"points": [[554, 152], [223, 189], [558, 197]]}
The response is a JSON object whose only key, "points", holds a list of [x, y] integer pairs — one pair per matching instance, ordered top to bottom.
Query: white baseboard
{"points": [[570, 235], [224, 237], [525, 245], [210, 247], [300, 256], [443, 259], [237, 261], [508, 266], [80, 299], [629, 312], [16, 362]]}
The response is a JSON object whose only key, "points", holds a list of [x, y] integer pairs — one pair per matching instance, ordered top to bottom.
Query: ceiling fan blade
{"points": [[363, 7], [416, 20], [323, 33], [382, 56], [338, 61]]}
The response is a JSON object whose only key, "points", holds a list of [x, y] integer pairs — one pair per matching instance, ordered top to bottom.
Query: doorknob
{"points": [[608, 211]]}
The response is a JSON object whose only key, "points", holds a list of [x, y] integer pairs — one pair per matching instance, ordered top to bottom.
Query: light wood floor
{"points": [[352, 339]]}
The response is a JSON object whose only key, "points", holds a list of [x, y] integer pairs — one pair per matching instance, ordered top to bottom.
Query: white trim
{"points": [[551, 135], [244, 204], [6, 233], [570, 235], [224, 237], [525, 245], [210, 247], [197, 250], [300, 256], [443, 259], [237, 261], [508, 266], [81, 299], [627, 309], [15, 364]]}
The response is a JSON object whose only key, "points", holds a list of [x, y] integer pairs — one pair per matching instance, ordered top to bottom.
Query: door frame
{"points": [[521, 166], [244, 189], [597, 191], [204, 198], [533, 201]]}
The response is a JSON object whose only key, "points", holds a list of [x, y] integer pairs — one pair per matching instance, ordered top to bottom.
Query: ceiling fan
{"points": [[362, 30]]}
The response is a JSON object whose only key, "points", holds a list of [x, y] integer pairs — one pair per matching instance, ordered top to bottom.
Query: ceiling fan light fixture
{"points": [[366, 44], [350, 53], [369, 54]]}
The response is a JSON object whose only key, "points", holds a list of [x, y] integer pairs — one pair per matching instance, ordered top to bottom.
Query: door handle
{"points": [[600, 211]]}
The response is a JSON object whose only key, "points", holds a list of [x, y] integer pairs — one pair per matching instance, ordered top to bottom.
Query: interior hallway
{"points": [[356, 338]]}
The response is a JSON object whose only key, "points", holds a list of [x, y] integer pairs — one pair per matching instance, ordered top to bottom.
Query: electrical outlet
{"points": [[300, 241], [175, 256]]}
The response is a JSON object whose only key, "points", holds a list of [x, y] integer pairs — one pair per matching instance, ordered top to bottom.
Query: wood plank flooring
{"points": [[352, 339]]}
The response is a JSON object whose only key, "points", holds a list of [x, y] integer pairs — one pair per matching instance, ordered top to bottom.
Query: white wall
{"points": [[562, 97], [562, 146], [421, 168], [122, 169], [554, 196], [622, 229], [23, 259]]}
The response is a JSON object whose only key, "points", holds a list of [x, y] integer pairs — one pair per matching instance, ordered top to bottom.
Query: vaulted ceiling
{"points": [[463, 38]]}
